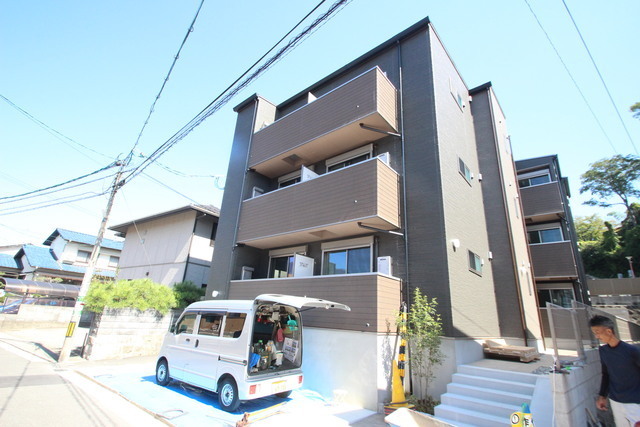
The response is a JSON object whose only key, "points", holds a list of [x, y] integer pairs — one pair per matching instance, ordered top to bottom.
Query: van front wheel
{"points": [[162, 372], [228, 395]]}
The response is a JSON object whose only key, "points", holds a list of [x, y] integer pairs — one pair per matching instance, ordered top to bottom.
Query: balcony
{"points": [[326, 127], [542, 202], [329, 206], [553, 261], [374, 299]]}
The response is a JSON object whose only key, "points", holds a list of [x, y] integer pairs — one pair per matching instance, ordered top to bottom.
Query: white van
{"points": [[240, 349]]}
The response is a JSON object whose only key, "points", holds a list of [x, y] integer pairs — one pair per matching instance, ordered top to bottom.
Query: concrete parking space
{"points": [[133, 381]]}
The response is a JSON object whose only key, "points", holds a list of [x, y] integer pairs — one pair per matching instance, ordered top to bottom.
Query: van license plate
{"points": [[279, 387]]}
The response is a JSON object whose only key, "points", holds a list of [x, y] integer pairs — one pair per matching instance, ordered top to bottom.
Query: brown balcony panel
{"points": [[326, 127], [542, 202], [327, 207], [553, 261], [374, 299]]}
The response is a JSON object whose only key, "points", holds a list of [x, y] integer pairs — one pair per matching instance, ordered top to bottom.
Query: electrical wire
{"points": [[175, 59], [575, 83], [606, 88], [233, 89], [65, 139], [62, 183], [170, 188], [50, 204]]}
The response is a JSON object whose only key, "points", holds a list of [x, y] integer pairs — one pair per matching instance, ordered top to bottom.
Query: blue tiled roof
{"points": [[74, 236], [39, 256], [42, 257], [8, 261]]}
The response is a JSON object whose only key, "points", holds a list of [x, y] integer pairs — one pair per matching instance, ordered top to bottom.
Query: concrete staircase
{"points": [[480, 396]]}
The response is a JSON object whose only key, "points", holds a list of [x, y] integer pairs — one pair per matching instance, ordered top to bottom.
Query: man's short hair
{"points": [[604, 321]]}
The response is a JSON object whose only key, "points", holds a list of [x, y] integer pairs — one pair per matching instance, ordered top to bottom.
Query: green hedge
{"points": [[142, 294]]}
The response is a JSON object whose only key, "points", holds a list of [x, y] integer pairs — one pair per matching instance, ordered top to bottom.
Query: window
{"points": [[456, 95], [349, 158], [464, 170], [534, 178], [289, 179], [214, 231], [548, 235], [83, 256], [113, 261], [347, 261], [475, 263], [281, 266], [561, 297], [186, 324], [210, 324], [233, 325]]}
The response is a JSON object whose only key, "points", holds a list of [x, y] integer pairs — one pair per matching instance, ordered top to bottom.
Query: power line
{"points": [[175, 59], [571, 76], [606, 88], [226, 95], [52, 131], [62, 183], [170, 188], [56, 190], [20, 210]]}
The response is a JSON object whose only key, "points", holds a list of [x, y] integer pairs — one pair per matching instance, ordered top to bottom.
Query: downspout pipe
{"points": [[405, 224]]}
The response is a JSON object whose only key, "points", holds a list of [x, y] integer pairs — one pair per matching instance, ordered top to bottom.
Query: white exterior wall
{"points": [[158, 249], [67, 252], [358, 363]]}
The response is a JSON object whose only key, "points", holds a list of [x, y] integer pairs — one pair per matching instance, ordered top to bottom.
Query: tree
{"points": [[635, 109], [614, 177], [589, 228], [186, 293], [423, 332]]}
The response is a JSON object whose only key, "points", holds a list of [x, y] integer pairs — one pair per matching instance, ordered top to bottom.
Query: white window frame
{"points": [[455, 93], [365, 149], [466, 169], [535, 174], [290, 176], [544, 227], [339, 245], [285, 252], [477, 258], [83, 261], [113, 264]]}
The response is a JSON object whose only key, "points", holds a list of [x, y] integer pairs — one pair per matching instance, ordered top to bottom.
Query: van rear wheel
{"points": [[162, 372], [228, 395]]}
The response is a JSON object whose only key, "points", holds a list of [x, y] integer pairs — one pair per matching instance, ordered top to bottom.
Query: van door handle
{"points": [[187, 340], [197, 342]]}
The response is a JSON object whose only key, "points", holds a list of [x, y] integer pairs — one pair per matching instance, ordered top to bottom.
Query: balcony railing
{"points": [[328, 126], [542, 202], [329, 206], [553, 260], [373, 298]]}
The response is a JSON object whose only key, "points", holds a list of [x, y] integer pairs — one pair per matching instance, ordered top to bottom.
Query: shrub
{"points": [[186, 293], [141, 294]]}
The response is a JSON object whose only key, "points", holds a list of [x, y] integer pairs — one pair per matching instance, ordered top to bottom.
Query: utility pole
{"points": [[88, 274]]}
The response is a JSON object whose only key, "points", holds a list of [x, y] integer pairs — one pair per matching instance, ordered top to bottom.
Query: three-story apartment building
{"points": [[387, 175]]}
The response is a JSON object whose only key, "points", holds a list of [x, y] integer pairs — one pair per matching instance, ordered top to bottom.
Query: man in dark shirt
{"points": [[620, 373]]}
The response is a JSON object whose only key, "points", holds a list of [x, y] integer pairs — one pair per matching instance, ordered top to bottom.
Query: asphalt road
{"points": [[35, 392]]}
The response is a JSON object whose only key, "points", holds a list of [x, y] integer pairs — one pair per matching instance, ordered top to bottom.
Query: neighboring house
{"points": [[388, 174], [169, 247], [65, 255], [557, 265]]}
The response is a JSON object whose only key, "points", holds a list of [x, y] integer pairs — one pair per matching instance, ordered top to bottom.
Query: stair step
{"points": [[498, 374], [494, 384], [489, 394], [490, 407], [460, 417], [455, 423]]}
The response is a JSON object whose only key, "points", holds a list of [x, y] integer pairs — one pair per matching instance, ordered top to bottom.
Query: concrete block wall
{"points": [[36, 316], [120, 333]]}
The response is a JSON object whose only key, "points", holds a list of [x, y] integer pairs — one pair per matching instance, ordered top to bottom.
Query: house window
{"points": [[456, 95], [349, 158], [464, 170], [534, 178], [289, 179], [214, 231], [548, 235], [83, 256], [113, 261], [347, 261], [475, 263], [281, 266], [561, 297], [210, 324]]}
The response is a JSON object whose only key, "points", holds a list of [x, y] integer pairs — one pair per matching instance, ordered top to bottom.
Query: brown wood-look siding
{"points": [[369, 98], [367, 191], [541, 199], [553, 260], [374, 299]]}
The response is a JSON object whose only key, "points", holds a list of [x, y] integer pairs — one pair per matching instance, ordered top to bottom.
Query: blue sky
{"points": [[91, 70]]}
